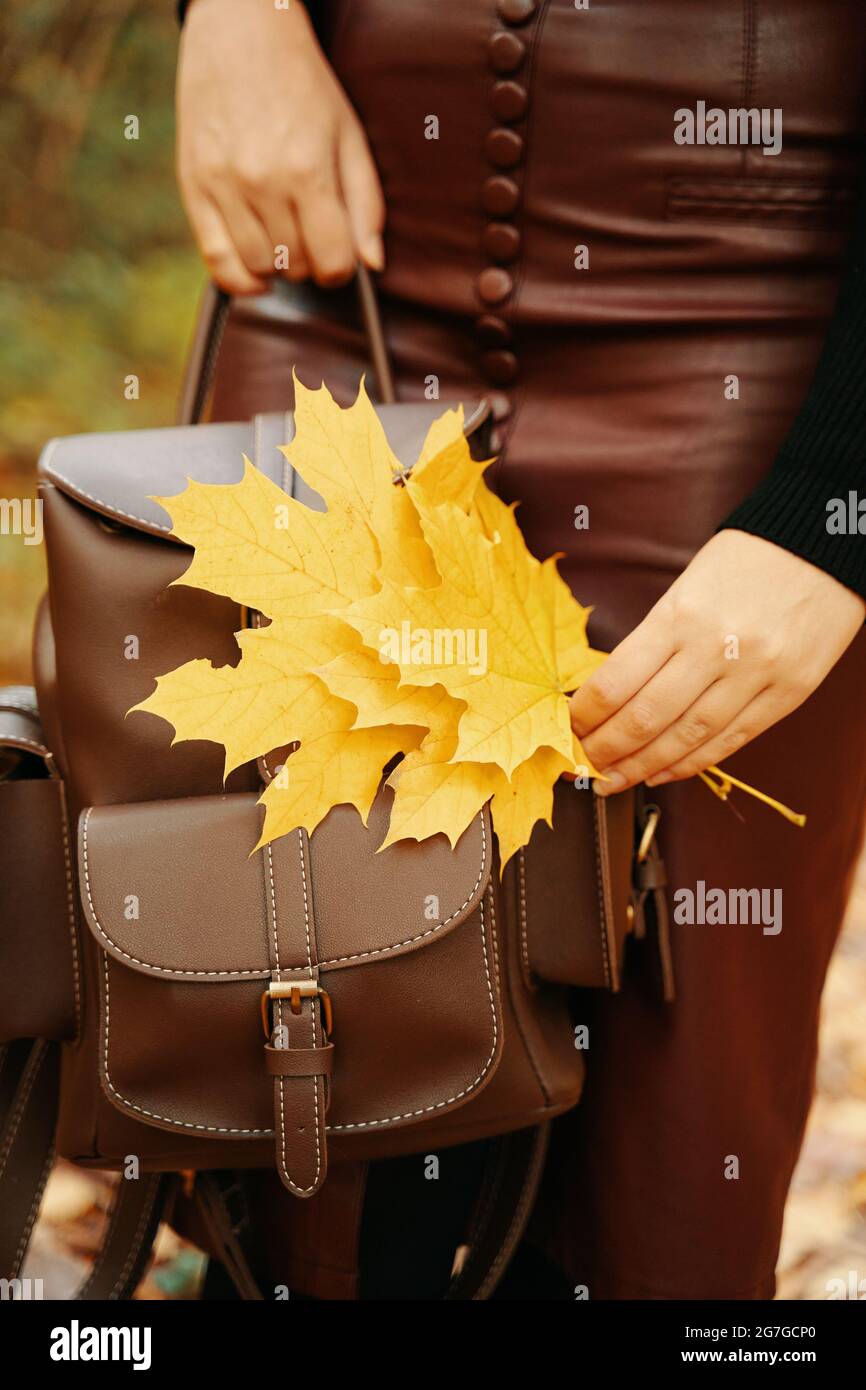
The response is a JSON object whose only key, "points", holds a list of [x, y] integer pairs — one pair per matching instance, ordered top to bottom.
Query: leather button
{"points": [[516, 11], [505, 52], [508, 100], [504, 147], [500, 195], [501, 241], [494, 285], [492, 331], [500, 367], [500, 406]]}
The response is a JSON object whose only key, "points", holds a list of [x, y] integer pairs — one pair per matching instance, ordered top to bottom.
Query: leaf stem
{"points": [[727, 781]]}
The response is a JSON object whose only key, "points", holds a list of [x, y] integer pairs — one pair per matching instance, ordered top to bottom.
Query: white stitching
{"points": [[78, 493], [270, 859], [492, 896], [306, 903], [70, 906], [522, 913], [430, 931], [163, 969], [263, 973], [281, 1081], [466, 1090], [20, 1107], [140, 1109], [359, 1124], [330, 1129], [282, 1133], [33, 1212], [137, 1240], [115, 1292]]}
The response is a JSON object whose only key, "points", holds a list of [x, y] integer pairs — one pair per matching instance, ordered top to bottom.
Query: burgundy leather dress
{"points": [[702, 262]]}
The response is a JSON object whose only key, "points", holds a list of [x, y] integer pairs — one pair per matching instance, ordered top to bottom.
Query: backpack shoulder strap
{"points": [[29, 1084]]}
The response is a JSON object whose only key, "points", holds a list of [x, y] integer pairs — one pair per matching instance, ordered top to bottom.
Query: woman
{"points": [[647, 302]]}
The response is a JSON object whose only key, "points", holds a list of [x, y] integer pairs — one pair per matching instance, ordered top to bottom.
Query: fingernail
{"points": [[373, 252], [657, 779], [613, 782]]}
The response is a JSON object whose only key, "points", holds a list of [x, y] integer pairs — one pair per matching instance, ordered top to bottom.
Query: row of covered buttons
{"points": [[503, 148]]}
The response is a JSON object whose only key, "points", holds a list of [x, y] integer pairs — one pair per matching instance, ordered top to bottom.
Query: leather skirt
{"points": [[646, 315]]}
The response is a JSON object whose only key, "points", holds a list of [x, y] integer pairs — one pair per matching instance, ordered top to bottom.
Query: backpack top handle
{"points": [[213, 315]]}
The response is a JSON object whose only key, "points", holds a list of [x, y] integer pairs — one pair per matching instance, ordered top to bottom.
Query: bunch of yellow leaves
{"points": [[408, 626]]}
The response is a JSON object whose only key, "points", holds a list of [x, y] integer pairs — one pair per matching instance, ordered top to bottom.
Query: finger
{"points": [[362, 195], [282, 227], [248, 234], [327, 236], [217, 249], [629, 666], [655, 707], [712, 712], [761, 712]]}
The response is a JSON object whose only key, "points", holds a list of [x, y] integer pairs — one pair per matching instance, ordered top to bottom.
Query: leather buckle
{"points": [[295, 991]]}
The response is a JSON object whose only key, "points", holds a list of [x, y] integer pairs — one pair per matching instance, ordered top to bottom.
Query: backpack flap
{"points": [[355, 960]]}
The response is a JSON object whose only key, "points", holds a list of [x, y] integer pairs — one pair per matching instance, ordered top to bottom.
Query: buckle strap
{"points": [[298, 1053], [300, 1061], [300, 1098]]}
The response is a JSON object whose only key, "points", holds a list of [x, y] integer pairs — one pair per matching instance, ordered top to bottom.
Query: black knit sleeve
{"points": [[809, 501]]}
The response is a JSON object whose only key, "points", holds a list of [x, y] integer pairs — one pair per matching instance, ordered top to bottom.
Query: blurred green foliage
{"points": [[98, 276]]}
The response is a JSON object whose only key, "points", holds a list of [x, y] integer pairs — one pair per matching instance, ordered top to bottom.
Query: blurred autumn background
{"points": [[99, 276], [99, 281]]}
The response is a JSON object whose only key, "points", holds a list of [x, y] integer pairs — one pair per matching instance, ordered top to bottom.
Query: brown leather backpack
{"points": [[300, 1009]]}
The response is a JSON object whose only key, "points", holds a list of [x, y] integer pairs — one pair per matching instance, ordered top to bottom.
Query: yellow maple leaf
{"points": [[344, 455], [445, 470], [268, 551], [484, 634], [575, 658], [339, 667], [374, 687], [269, 699], [341, 768], [432, 793], [525, 798]]}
